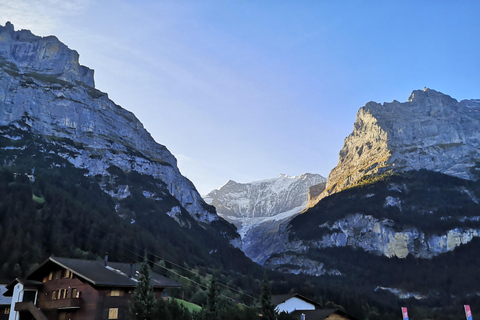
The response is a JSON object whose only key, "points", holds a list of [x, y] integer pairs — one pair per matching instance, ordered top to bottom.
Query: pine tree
{"points": [[212, 298], [143, 303], [267, 308], [211, 312]]}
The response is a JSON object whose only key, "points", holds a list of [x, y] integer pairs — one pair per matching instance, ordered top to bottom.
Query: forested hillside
{"points": [[427, 205], [49, 207]]}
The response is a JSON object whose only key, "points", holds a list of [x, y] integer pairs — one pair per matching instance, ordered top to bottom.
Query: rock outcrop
{"points": [[44, 89], [431, 131], [416, 214]]}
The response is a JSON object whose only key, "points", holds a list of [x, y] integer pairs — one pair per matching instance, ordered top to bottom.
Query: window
{"points": [[66, 273], [58, 274], [50, 276], [45, 279], [75, 293], [115, 293], [62, 294], [54, 295], [6, 310], [113, 313]]}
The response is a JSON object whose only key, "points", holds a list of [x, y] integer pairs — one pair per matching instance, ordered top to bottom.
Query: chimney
{"points": [[105, 260], [131, 275]]}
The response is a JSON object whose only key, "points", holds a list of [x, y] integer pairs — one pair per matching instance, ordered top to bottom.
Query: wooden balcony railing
{"points": [[71, 303]]}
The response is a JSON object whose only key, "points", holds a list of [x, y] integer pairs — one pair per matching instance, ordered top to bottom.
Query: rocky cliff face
{"points": [[45, 90], [431, 131], [406, 186], [259, 208], [417, 215]]}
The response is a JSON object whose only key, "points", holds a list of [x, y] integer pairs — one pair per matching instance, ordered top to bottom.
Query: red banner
{"points": [[468, 312]]}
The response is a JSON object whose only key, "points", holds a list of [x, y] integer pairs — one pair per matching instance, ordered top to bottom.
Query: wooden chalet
{"points": [[74, 289], [306, 309]]}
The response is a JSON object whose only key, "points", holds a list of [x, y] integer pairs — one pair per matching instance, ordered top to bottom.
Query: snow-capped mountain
{"points": [[259, 208]]}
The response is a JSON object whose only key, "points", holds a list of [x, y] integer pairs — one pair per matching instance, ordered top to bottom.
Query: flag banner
{"points": [[468, 312], [405, 313]]}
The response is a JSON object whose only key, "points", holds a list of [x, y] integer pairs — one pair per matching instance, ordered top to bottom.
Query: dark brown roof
{"points": [[114, 274], [281, 298]]}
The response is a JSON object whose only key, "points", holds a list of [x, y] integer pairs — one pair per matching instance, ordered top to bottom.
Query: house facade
{"points": [[75, 289]]}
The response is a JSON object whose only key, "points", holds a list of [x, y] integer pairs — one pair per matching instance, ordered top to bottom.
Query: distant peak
{"points": [[9, 27], [422, 95], [228, 183]]}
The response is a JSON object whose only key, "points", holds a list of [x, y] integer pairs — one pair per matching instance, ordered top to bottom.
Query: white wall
{"points": [[17, 297]]}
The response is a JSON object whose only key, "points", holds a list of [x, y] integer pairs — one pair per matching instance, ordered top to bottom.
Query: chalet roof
{"points": [[113, 274], [26, 283], [281, 298], [320, 314]]}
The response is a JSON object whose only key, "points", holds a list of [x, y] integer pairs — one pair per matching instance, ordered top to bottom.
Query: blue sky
{"points": [[246, 90]]}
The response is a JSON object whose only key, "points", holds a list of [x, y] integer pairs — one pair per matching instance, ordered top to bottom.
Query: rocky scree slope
{"points": [[44, 90], [259, 208]]}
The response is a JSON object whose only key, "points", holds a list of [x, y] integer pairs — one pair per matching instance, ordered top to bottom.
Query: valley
{"points": [[396, 223]]}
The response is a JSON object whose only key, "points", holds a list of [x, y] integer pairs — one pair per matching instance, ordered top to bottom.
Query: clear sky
{"points": [[248, 89]]}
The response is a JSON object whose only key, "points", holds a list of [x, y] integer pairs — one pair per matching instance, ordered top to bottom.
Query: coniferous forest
{"points": [[48, 207]]}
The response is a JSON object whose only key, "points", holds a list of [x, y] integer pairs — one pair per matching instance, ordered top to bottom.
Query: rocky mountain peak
{"points": [[26, 53], [44, 90], [430, 131]]}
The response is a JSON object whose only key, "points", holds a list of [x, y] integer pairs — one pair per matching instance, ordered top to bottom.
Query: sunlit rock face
{"points": [[44, 89], [431, 131], [379, 237]]}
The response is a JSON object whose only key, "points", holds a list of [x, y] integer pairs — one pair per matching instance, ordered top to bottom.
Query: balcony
{"points": [[71, 303], [23, 306], [30, 307]]}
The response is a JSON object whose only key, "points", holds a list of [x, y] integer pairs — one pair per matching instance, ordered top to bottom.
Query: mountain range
{"points": [[90, 177], [403, 198], [395, 222]]}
